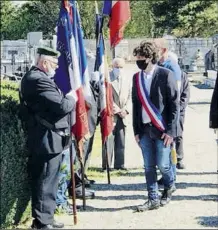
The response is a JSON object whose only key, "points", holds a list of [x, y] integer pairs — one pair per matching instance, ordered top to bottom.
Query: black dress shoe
{"points": [[180, 165], [121, 168], [104, 170], [160, 181], [88, 182], [89, 194], [166, 196], [149, 205], [37, 225]]}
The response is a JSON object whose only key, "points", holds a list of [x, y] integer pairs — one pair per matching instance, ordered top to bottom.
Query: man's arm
{"points": [[185, 94], [50, 98], [127, 105], [135, 105], [173, 105]]}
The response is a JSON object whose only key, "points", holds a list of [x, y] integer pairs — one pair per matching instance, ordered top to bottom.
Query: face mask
{"points": [[142, 64], [117, 71], [50, 72]]}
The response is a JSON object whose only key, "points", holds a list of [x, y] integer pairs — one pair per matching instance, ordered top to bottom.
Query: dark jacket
{"points": [[184, 93], [164, 95], [44, 99], [214, 107], [93, 111]]}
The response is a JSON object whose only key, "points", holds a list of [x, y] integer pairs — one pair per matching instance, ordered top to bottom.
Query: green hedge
{"points": [[15, 189]]}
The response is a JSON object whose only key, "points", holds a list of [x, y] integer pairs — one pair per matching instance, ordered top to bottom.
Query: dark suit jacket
{"points": [[184, 93], [164, 95], [45, 99], [214, 107], [93, 111]]}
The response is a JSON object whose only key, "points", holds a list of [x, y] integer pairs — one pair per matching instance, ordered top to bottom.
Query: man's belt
{"points": [[145, 125], [51, 127]]}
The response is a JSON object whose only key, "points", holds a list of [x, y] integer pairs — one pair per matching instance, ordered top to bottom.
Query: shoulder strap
{"points": [[147, 105]]}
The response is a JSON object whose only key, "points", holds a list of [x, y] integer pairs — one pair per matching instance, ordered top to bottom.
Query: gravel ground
{"points": [[194, 204]]}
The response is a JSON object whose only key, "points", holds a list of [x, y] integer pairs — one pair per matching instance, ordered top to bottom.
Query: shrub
{"points": [[15, 189]]}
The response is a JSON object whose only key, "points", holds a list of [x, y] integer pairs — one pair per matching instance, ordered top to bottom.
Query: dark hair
{"points": [[147, 50]]}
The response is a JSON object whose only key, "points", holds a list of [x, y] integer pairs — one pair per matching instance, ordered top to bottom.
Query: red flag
{"points": [[119, 12], [106, 98], [107, 113]]}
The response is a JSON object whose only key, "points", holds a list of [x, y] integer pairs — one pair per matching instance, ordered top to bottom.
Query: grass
{"points": [[94, 170]]}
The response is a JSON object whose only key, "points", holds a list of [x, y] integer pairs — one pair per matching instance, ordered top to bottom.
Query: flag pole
{"points": [[98, 40], [106, 149], [80, 151], [80, 155], [107, 162], [72, 176]]}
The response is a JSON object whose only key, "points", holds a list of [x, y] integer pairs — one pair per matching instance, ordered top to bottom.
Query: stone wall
{"points": [[185, 48]]}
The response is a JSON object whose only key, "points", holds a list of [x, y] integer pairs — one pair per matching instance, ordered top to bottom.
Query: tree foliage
{"points": [[7, 14], [198, 18], [141, 23]]}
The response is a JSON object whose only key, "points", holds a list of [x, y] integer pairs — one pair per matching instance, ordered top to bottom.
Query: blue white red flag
{"points": [[119, 12], [70, 74], [105, 88]]}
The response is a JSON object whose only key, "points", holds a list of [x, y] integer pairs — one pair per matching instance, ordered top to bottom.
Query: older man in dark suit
{"points": [[121, 99], [155, 114], [47, 126]]}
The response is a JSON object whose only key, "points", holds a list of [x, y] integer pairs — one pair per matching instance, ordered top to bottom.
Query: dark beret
{"points": [[48, 51]]}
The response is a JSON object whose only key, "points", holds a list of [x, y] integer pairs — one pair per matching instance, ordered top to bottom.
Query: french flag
{"points": [[119, 12], [82, 59], [69, 75], [105, 88]]}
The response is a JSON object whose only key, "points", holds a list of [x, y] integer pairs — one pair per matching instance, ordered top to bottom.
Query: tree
{"points": [[8, 12], [165, 15], [34, 16], [197, 19], [141, 23]]}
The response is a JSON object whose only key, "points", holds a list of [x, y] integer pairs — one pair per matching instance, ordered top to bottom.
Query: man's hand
{"points": [[72, 94], [88, 105], [116, 109], [123, 114], [137, 139], [167, 139]]}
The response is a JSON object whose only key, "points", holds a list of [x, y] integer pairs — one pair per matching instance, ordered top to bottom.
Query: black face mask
{"points": [[141, 64]]}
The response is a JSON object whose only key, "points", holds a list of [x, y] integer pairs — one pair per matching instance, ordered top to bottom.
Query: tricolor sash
{"points": [[148, 106]]}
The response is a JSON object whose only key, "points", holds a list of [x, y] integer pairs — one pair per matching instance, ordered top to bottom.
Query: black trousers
{"points": [[179, 139], [115, 144], [87, 151], [44, 171]]}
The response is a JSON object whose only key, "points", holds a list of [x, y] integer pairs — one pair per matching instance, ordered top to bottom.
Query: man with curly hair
{"points": [[155, 113]]}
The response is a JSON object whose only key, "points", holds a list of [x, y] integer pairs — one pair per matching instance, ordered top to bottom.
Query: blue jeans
{"points": [[156, 154], [174, 171], [64, 177]]}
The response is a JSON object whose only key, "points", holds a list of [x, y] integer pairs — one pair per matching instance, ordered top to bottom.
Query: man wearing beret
{"points": [[47, 127]]}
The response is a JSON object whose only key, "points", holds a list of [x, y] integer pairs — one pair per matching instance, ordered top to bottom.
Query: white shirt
{"points": [[147, 79]]}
